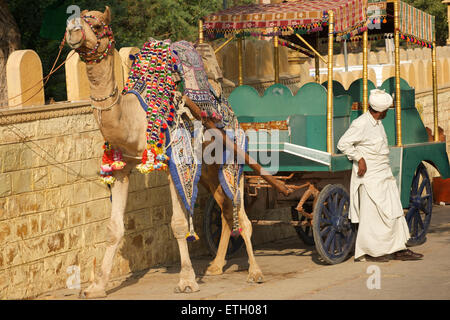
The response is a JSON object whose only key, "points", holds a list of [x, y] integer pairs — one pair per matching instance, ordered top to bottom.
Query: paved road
{"points": [[293, 271]]}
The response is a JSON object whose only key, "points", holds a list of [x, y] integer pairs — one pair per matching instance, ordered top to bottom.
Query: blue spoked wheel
{"points": [[420, 206], [212, 229], [334, 234]]}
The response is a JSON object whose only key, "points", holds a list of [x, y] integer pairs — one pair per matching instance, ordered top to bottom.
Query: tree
{"points": [[134, 21], [9, 41]]}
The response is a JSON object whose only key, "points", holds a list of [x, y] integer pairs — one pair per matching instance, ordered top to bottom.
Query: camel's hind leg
{"points": [[226, 205], [179, 225]]}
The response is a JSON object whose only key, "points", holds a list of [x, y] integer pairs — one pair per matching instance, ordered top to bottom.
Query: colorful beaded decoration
{"points": [[93, 56], [154, 66], [111, 161]]}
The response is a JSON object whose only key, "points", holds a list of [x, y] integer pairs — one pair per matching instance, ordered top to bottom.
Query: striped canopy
{"points": [[308, 14], [415, 25]]}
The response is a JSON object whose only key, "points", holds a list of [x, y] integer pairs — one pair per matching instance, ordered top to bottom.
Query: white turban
{"points": [[379, 100]]}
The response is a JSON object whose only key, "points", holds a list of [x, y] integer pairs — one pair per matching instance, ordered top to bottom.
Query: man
{"points": [[374, 198]]}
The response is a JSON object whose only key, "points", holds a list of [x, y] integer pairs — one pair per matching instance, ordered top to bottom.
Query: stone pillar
{"points": [[24, 79], [77, 82]]}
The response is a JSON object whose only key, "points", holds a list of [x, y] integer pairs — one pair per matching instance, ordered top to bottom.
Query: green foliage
{"points": [[134, 21]]}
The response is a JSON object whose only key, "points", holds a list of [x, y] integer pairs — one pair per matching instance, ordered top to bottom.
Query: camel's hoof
{"points": [[213, 271], [255, 277], [187, 288], [93, 294]]}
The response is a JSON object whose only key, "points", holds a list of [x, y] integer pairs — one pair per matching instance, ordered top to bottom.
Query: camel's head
{"points": [[90, 35]]}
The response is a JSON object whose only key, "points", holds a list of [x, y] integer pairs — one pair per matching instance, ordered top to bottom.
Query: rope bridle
{"points": [[94, 56]]}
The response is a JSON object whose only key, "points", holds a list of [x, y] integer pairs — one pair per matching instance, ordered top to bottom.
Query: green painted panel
{"points": [[389, 85], [338, 88], [356, 89], [311, 99], [244, 101], [298, 124], [413, 129], [432, 152], [395, 161], [288, 163], [340, 163]]}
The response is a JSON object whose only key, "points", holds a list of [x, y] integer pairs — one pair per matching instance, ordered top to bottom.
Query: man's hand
{"points": [[362, 167]]}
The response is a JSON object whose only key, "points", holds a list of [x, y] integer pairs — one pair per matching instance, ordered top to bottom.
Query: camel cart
{"points": [[302, 130]]}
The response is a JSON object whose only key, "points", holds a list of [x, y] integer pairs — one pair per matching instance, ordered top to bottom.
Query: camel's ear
{"points": [[84, 12], [106, 16]]}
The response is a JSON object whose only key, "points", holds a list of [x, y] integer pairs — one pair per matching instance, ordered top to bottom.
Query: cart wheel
{"points": [[420, 207], [212, 229], [304, 232], [333, 232]]}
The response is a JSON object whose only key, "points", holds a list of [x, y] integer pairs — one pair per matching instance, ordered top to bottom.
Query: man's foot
{"points": [[406, 255], [377, 259]]}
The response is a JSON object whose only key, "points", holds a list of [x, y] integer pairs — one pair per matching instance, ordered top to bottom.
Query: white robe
{"points": [[374, 198]]}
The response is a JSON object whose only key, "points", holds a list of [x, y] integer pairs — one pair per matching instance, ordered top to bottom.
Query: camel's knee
{"points": [[245, 222], [179, 227], [116, 231]]}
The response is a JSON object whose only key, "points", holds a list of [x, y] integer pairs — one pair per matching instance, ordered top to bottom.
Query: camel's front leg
{"points": [[119, 192], [179, 225]]}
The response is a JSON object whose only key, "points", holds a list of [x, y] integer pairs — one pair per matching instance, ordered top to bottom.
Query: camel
{"points": [[122, 122]]}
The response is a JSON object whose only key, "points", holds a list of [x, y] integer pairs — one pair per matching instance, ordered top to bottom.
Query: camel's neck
{"points": [[101, 77], [103, 83]]}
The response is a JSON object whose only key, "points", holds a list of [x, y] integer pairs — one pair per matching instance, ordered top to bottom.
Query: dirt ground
{"points": [[293, 271]]}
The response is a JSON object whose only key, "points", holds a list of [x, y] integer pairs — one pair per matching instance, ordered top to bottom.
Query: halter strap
{"points": [[94, 56]]}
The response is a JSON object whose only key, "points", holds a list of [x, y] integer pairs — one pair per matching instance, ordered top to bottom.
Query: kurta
{"points": [[374, 198]]}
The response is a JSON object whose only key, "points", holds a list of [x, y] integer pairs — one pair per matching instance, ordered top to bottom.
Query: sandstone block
{"points": [[11, 156], [40, 178], [21, 181], [5, 184], [80, 193], [21, 204], [95, 211], [76, 215], [53, 221], [6, 233], [56, 243]]}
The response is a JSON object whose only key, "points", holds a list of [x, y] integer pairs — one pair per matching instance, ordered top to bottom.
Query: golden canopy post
{"points": [[200, 31], [276, 56], [240, 61], [365, 71], [330, 82], [435, 92], [398, 107]]}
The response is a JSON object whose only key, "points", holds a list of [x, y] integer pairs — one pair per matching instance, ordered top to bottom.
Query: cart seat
{"points": [[302, 117]]}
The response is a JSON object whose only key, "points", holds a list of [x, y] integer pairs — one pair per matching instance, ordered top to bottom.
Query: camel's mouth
{"points": [[75, 45]]}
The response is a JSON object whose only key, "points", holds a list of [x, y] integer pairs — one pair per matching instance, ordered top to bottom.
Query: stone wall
{"points": [[424, 104], [54, 210]]}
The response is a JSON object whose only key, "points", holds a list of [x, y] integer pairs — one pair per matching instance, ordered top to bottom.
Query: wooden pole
{"points": [[277, 184]]}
